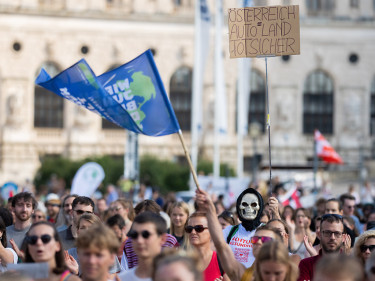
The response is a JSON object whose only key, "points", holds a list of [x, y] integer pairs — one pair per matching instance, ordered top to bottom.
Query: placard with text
{"points": [[264, 31]]}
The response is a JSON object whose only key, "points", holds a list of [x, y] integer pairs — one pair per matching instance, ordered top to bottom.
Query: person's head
{"points": [[52, 204], [348, 204], [23, 205], [101, 205], [67, 206], [80, 206], [147, 206], [320, 206], [333, 206], [123, 207], [249, 207], [288, 213], [179, 214], [38, 215], [7, 216], [371, 216], [303, 217], [226, 218], [86, 221], [317, 221], [117, 224], [281, 227], [197, 229], [331, 231], [3, 233], [148, 234], [263, 235], [43, 245], [364, 246], [97, 248], [273, 263], [172, 265], [338, 267]]}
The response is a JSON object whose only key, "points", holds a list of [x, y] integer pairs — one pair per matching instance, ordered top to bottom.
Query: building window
{"points": [[354, 3], [320, 7], [180, 96], [318, 103], [257, 106], [48, 107], [372, 110], [105, 123]]}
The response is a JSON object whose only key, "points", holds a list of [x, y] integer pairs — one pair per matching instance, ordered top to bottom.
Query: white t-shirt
{"points": [[241, 245], [15, 259], [129, 275]]}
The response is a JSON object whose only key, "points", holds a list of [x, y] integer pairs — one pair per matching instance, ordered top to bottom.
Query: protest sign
{"points": [[264, 31], [9, 189]]}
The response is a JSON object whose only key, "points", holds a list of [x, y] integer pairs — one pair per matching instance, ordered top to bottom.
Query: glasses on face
{"points": [[53, 205], [81, 212], [37, 217], [198, 228], [327, 233], [134, 234], [32, 239], [264, 239], [364, 248]]}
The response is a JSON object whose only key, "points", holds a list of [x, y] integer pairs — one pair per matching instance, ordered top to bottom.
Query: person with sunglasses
{"points": [[80, 206], [38, 215], [148, 234], [331, 237], [200, 240], [42, 244], [364, 246], [235, 270]]}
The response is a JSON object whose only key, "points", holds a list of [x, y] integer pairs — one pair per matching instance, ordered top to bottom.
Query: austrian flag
{"points": [[325, 151]]}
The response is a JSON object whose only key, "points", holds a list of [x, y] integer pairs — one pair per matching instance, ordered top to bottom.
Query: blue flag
{"points": [[131, 96]]}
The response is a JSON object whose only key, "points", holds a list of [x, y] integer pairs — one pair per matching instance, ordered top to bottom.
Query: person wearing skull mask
{"points": [[249, 209]]}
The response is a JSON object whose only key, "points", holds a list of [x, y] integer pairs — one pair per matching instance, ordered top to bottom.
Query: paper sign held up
{"points": [[264, 31]]}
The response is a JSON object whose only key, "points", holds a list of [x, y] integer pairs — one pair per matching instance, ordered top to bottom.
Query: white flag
{"points": [[87, 179]]}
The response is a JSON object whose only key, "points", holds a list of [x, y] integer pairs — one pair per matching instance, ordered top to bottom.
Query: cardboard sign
{"points": [[264, 31]]}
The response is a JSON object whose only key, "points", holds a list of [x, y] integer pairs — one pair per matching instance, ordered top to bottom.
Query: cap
{"points": [[53, 198]]}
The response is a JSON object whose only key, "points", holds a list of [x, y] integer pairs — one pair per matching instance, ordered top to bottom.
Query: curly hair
{"points": [[360, 241]]}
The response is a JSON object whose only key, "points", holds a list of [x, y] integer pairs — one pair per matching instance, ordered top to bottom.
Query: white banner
{"points": [[87, 179]]}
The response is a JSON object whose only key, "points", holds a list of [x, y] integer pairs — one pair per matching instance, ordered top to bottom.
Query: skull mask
{"points": [[249, 206]]}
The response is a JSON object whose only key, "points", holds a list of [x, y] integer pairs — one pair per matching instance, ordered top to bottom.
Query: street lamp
{"points": [[254, 132]]}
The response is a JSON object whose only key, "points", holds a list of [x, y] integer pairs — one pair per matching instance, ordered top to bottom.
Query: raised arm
{"points": [[231, 266]]}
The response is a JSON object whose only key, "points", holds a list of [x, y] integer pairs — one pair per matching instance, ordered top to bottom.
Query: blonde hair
{"points": [[185, 208], [91, 218], [98, 236], [360, 241], [277, 252], [189, 259]]}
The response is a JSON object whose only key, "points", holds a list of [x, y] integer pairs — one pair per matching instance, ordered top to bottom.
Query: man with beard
{"points": [[52, 204], [23, 205], [331, 237]]}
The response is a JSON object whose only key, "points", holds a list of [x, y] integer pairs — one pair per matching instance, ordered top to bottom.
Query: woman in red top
{"points": [[200, 239]]}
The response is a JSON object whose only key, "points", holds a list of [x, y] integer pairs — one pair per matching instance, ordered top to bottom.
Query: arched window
{"points": [[180, 96], [318, 103], [48, 107], [257, 107], [372, 110], [105, 123]]}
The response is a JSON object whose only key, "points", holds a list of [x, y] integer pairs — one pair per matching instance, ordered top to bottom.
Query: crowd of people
{"points": [[70, 237]]}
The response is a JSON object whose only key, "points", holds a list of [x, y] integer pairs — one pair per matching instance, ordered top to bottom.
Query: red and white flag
{"points": [[325, 151], [291, 198]]}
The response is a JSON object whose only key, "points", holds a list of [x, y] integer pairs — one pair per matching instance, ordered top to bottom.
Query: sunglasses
{"points": [[53, 205], [81, 212], [198, 228], [134, 234], [264, 239], [31, 240], [365, 247]]}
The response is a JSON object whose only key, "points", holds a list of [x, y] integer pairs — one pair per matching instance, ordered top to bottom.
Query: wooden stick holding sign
{"points": [[262, 32]]}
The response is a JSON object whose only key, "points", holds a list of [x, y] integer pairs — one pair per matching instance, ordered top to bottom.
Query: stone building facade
{"points": [[330, 85]]}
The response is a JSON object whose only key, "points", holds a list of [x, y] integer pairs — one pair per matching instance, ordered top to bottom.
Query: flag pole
{"points": [[188, 159], [315, 163]]}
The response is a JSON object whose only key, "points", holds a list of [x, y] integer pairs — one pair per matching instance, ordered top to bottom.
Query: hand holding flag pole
{"points": [[132, 96]]}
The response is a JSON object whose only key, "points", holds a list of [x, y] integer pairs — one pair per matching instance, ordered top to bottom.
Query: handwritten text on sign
{"points": [[262, 31]]}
